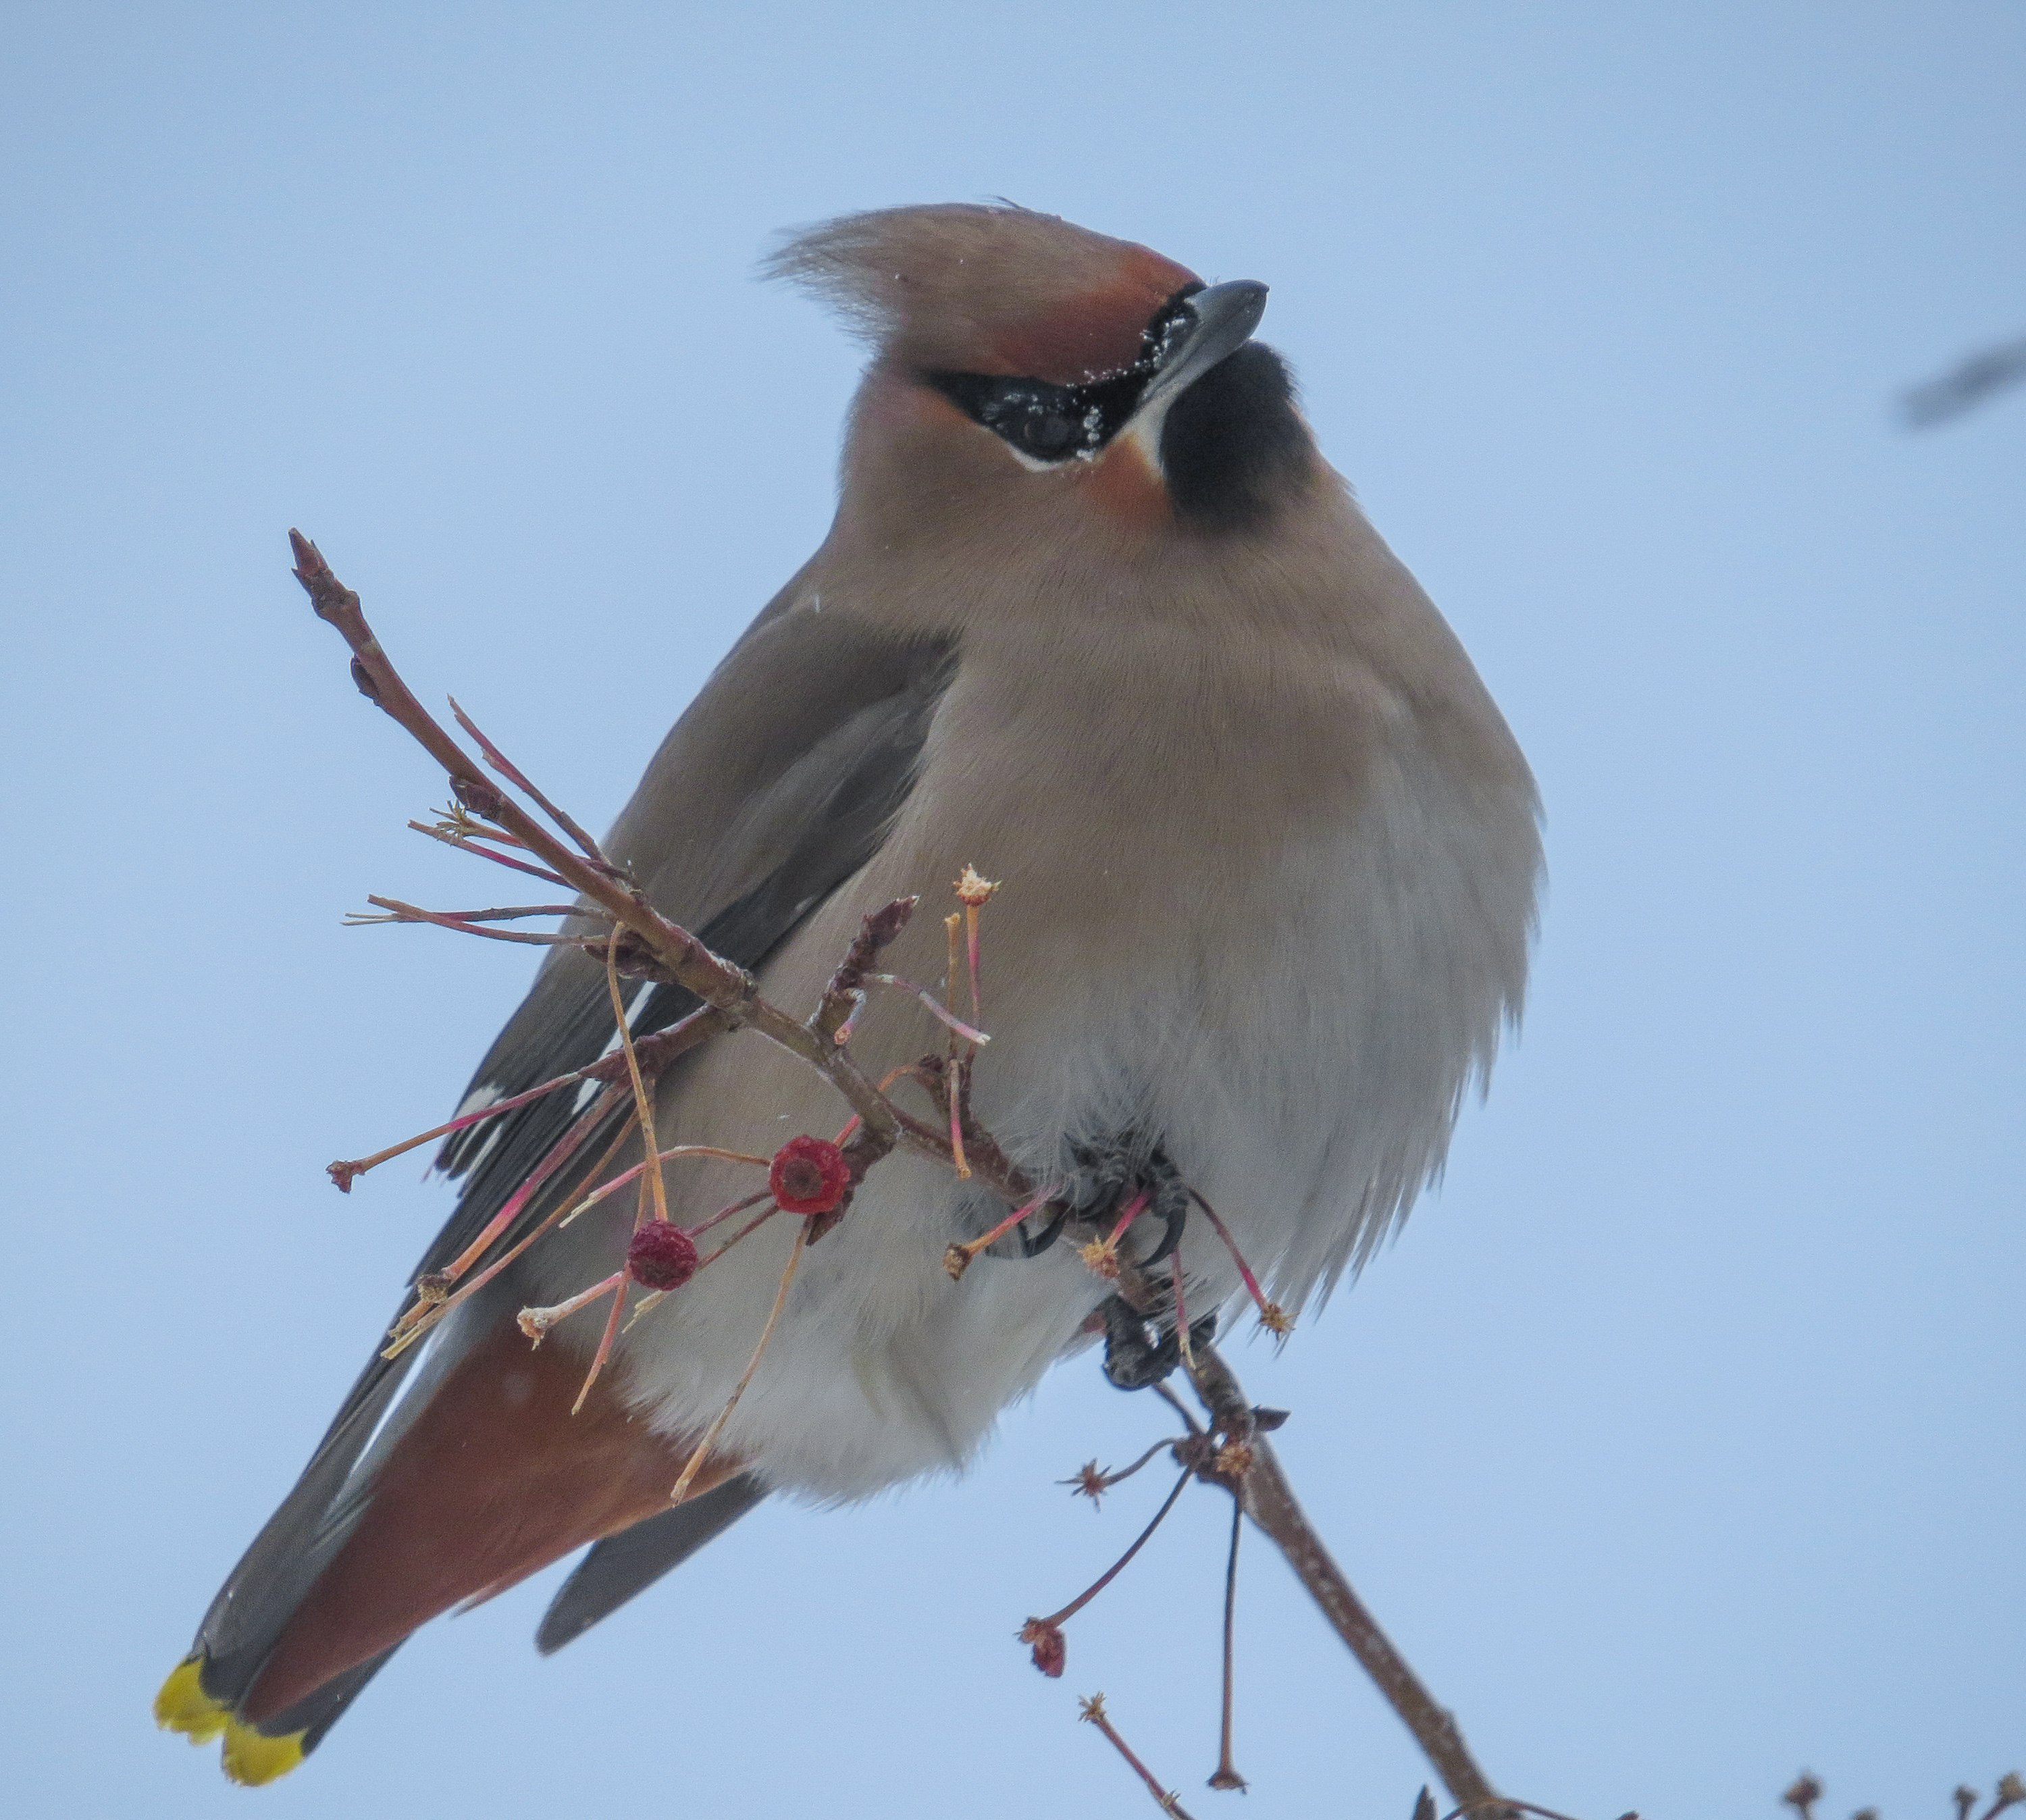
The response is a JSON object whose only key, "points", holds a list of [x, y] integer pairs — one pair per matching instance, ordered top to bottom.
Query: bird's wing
{"points": [[775, 785], [773, 788], [634, 1559]]}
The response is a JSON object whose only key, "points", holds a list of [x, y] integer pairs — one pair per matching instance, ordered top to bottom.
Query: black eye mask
{"points": [[1051, 423]]}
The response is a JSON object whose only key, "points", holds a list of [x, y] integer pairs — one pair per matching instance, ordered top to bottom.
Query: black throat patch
{"points": [[1233, 446]]}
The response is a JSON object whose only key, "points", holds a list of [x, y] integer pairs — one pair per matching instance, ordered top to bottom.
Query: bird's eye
{"points": [[1046, 435]]}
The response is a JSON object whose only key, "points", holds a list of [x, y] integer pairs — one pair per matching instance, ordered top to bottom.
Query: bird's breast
{"points": [[1252, 906]]}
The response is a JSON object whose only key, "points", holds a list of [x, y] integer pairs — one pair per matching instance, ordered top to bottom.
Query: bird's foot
{"points": [[1111, 1178], [1141, 1351]]}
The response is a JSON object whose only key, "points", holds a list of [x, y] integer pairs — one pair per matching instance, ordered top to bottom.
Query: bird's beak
{"points": [[1223, 317]]}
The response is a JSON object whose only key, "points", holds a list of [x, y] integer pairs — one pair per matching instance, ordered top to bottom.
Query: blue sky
{"points": [[1677, 1440]]}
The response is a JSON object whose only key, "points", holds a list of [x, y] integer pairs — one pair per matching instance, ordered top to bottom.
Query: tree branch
{"points": [[728, 989], [1269, 1500]]}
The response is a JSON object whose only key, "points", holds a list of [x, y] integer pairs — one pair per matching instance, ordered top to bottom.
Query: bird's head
{"points": [[1038, 378]]}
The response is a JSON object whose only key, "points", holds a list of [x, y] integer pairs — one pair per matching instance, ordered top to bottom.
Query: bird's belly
{"points": [[1295, 1024]]}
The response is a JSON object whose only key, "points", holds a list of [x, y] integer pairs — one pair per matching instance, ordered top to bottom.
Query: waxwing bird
{"points": [[1095, 614]]}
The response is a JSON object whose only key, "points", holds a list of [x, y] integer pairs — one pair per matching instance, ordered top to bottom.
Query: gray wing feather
{"points": [[776, 785], [634, 1559]]}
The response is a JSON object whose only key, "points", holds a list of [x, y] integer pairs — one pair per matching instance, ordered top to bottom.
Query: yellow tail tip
{"points": [[183, 1706], [251, 1757]]}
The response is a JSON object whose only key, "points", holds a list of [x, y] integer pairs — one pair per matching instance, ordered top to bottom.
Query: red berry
{"points": [[810, 1176], [661, 1256]]}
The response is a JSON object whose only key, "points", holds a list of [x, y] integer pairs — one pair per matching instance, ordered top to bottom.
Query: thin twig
{"points": [[1965, 386], [521, 781], [465, 844], [506, 913], [463, 926], [677, 954], [943, 1014], [655, 1052], [643, 1101], [671, 1155], [958, 1258], [471, 1286], [1272, 1316], [407, 1327], [1181, 1408], [716, 1428], [1270, 1502], [1058, 1620], [1226, 1775], [1166, 1799], [1505, 1802]]}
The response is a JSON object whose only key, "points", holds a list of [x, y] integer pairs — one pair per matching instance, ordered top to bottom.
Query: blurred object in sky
{"points": [[1965, 386]]}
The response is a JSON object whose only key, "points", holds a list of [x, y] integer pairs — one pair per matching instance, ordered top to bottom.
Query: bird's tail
{"points": [[481, 1476]]}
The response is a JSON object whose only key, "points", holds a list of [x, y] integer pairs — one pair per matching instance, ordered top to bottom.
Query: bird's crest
{"points": [[983, 288]]}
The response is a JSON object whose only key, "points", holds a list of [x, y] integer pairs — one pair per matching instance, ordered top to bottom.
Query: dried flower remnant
{"points": [[974, 891], [809, 1175], [1101, 1255], [661, 1256], [536, 1322], [1233, 1462], [1089, 1482], [1050, 1646], [1801, 1794]]}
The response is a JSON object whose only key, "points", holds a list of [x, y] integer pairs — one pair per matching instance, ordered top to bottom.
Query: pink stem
{"points": [[515, 776], [466, 844], [444, 919], [971, 933], [941, 1012], [681, 1150], [547, 1167], [342, 1172], [1133, 1209], [724, 1213], [986, 1240], [1231, 1245], [1181, 1314], [536, 1322], [605, 1343], [1118, 1567]]}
